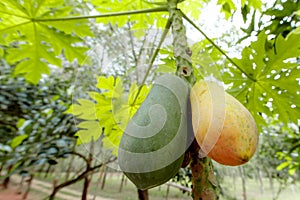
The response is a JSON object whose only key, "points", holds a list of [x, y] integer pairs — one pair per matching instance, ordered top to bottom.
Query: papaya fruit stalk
{"points": [[203, 179]]}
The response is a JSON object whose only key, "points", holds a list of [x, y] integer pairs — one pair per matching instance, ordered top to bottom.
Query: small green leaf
{"points": [[20, 122], [18, 140], [282, 166], [292, 170]]}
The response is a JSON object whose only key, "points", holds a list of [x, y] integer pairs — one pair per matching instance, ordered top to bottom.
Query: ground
{"points": [[13, 192]]}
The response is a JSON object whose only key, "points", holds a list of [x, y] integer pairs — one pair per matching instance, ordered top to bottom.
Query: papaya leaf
{"points": [[192, 7], [228, 7], [141, 21], [34, 38], [266, 78], [84, 110], [109, 111], [89, 130]]}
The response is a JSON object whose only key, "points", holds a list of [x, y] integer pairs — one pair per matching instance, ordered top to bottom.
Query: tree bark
{"points": [[242, 174], [78, 178], [86, 178], [203, 178], [7, 179], [103, 180], [122, 182], [28, 187], [85, 188], [143, 194]]}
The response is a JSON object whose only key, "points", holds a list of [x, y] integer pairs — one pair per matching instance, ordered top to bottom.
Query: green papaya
{"points": [[152, 147]]}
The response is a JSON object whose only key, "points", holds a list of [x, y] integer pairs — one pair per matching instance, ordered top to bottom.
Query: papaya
{"points": [[224, 129], [153, 144]]}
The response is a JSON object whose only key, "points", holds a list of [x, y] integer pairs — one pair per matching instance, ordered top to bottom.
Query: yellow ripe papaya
{"points": [[224, 129]]}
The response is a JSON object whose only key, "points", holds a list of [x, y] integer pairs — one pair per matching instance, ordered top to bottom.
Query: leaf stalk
{"points": [[112, 14], [216, 46]]}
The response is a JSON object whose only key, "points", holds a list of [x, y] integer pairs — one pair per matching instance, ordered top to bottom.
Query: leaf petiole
{"points": [[112, 14], [216, 46]]}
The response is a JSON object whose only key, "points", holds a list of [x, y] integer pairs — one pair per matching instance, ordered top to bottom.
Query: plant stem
{"points": [[111, 14], [182, 52], [203, 179]]}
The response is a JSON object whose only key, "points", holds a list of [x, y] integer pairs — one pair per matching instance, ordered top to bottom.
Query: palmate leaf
{"points": [[192, 7], [229, 7], [141, 21], [34, 39], [269, 82], [109, 111]]}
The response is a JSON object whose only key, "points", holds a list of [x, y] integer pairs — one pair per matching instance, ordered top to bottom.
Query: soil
{"points": [[15, 192]]}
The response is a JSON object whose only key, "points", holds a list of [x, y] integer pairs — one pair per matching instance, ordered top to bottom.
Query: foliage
{"points": [[33, 40], [266, 80], [108, 111], [36, 130], [289, 155]]}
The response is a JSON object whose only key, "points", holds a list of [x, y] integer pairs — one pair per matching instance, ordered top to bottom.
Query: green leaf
{"points": [[192, 7], [228, 7], [141, 21], [35, 39], [1, 52], [266, 78], [84, 110], [110, 111], [21, 122], [89, 130], [16, 141], [282, 165], [292, 170]]}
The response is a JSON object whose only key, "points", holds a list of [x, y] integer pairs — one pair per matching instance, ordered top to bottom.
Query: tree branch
{"points": [[78, 178]]}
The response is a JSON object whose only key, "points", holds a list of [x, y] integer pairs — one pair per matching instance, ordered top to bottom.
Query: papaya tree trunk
{"points": [[47, 171], [242, 174], [99, 178], [203, 178], [7, 179], [87, 179], [103, 180], [122, 182], [261, 182], [85, 188], [143, 194], [25, 195]]}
